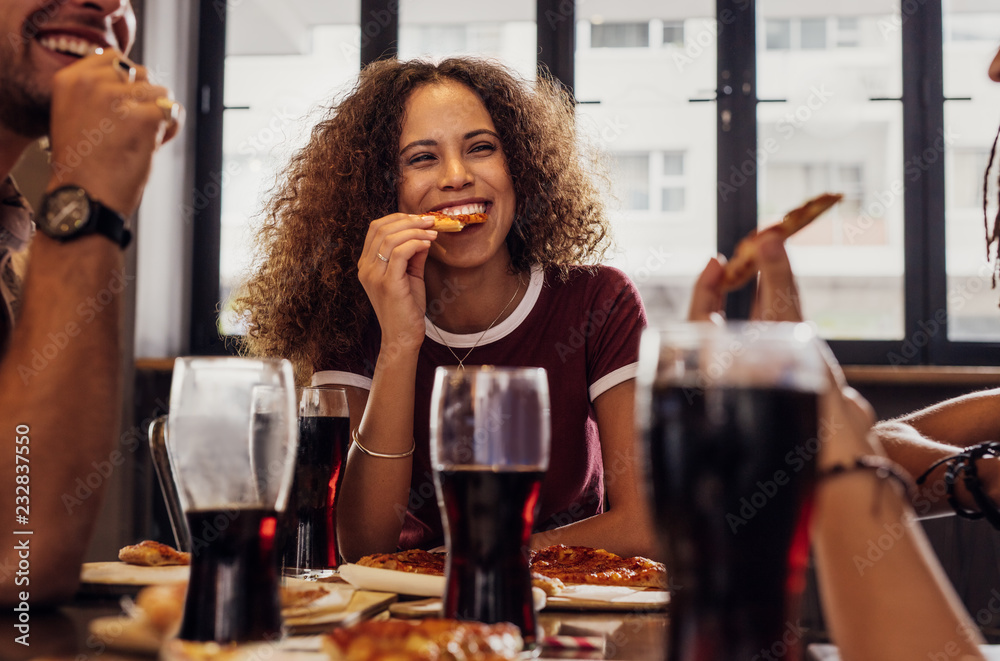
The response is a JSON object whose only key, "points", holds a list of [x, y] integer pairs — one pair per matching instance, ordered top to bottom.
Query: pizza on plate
{"points": [[741, 268], [153, 554], [415, 561], [582, 564], [551, 567], [426, 640]]}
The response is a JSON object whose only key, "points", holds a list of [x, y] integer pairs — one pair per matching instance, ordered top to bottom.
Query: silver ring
{"points": [[126, 68], [170, 109], [382, 257]]}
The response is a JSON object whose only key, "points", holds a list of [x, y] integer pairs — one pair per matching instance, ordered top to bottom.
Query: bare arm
{"points": [[60, 378], [69, 410], [919, 439], [375, 491], [626, 527], [874, 563], [904, 591]]}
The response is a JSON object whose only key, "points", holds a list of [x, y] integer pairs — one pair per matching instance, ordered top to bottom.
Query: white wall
{"points": [[161, 328]]}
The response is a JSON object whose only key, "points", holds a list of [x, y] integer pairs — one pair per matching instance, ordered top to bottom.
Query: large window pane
{"points": [[439, 28], [970, 41], [281, 69], [634, 105], [825, 135]]}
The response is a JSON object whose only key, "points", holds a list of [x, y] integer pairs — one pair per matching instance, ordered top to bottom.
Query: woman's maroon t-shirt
{"points": [[584, 332]]}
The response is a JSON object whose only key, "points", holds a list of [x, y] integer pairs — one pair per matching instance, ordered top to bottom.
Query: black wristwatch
{"points": [[68, 213]]}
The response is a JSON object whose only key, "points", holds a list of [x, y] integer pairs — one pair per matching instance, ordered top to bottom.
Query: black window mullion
{"points": [[555, 24], [379, 30], [736, 127], [206, 205], [923, 211]]}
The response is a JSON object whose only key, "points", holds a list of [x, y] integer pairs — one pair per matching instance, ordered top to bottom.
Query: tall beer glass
{"points": [[729, 426], [232, 447], [489, 452]]}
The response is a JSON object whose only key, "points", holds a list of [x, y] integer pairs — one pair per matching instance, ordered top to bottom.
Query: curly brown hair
{"points": [[304, 300]]}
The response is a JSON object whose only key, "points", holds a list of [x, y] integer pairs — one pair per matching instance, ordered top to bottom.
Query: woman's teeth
{"points": [[467, 209]]}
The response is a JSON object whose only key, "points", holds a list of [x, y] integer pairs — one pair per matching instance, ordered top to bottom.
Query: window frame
{"points": [[925, 289]]}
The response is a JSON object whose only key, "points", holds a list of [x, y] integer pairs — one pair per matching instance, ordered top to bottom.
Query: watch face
{"points": [[66, 211]]}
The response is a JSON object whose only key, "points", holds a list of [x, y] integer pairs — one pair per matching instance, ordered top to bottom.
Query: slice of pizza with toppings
{"points": [[455, 222], [153, 554], [415, 561], [582, 564], [427, 640]]}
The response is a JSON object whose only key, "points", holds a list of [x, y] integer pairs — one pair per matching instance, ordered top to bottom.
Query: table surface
{"points": [[62, 634]]}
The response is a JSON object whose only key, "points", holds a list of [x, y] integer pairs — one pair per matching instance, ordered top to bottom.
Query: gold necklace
{"points": [[462, 360]]}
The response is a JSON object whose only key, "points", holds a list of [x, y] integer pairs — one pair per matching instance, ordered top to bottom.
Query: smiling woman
{"points": [[358, 288]]}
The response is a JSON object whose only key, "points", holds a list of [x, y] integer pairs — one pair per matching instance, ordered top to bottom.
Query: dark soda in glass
{"points": [[731, 472], [489, 515], [311, 517], [233, 590]]}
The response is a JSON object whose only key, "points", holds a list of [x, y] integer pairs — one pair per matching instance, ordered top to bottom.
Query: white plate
{"points": [[390, 580], [337, 598]]}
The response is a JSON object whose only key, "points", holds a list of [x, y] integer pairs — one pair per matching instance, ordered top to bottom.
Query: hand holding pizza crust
{"points": [[741, 268]]}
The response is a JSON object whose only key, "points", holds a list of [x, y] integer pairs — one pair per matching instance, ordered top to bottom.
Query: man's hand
{"points": [[105, 129]]}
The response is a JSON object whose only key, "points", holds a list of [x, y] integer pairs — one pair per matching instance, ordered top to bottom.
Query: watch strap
{"points": [[110, 223]]}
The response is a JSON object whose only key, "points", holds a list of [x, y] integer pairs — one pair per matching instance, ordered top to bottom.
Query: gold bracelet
{"points": [[356, 439]]}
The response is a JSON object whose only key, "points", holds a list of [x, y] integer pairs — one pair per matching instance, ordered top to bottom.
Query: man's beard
{"points": [[24, 109]]}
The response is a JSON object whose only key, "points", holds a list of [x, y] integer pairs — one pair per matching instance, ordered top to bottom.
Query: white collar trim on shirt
{"points": [[501, 330]]}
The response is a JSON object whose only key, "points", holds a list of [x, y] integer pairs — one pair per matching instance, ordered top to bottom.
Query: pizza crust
{"points": [[741, 268], [153, 554], [432, 638]]}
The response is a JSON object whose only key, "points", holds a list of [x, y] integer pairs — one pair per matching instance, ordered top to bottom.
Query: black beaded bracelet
{"points": [[964, 464], [883, 467]]}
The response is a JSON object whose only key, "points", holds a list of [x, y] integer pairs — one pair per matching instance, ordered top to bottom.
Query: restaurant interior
{"points": [[714, 117]]}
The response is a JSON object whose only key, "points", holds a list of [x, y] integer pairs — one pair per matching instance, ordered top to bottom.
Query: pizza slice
{"points": [[455, 222], [741, 268], [153, 554], [415, 561], [582, 564], [426, 640]]}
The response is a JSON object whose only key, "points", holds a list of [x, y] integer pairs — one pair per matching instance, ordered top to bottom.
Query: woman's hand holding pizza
{"points": [[391, 270]]}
